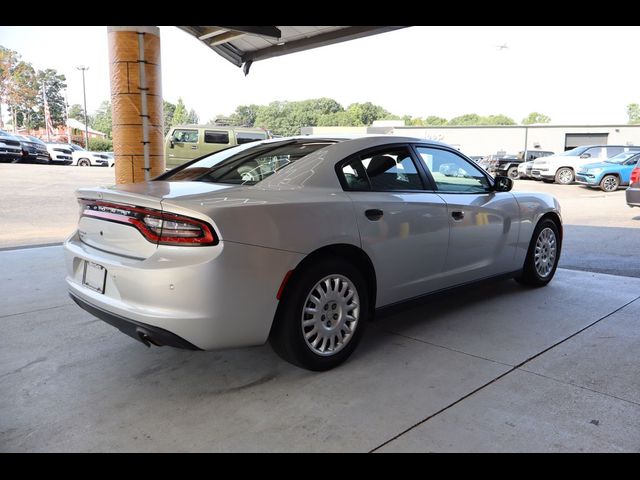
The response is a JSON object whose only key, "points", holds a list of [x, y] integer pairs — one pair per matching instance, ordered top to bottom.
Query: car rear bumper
{"points": [[633, 195], [214, 297], [142, 332]]}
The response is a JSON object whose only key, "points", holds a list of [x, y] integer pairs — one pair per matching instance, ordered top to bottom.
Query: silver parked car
{"points": [[298, 241]]}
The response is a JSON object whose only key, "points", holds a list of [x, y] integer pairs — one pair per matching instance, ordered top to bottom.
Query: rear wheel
{"points": [[83, 162], [564, 176], [609, 183], [543, 255], [322, 316]]}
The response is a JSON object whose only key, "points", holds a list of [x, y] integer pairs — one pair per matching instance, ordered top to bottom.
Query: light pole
{"points": [[84, 93]]}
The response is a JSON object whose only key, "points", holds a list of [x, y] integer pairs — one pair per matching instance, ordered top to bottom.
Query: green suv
{"points": [[186, 142]]}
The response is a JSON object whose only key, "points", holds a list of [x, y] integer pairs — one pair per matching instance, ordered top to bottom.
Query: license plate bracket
{"points": [[94, 276]]}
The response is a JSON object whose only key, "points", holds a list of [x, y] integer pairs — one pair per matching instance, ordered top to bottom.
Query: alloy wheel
{"points": [[545, 252], [330, 315]]}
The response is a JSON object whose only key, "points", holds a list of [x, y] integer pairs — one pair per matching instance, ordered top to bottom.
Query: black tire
{"points": [[83, 162], [512, 173], [565, 176], [609, 183], [529, 275], [287, 337]]}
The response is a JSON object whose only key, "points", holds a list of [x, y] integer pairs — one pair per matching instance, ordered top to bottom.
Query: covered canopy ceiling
{"points": [[244, 45]]}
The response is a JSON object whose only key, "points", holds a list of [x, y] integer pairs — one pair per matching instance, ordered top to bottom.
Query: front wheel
{"points": [[83, 162], [512, 173], [564, 176], [609, 183], [542, 257], [322, 316]]}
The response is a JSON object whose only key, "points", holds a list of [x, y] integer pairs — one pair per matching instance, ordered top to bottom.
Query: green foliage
{"points": [[54, 86], [168, 110], [76, 111], [633, 111], [244, 116], [535, 117], [475, 119], [101, 120], [435, 121], [100, 145]]}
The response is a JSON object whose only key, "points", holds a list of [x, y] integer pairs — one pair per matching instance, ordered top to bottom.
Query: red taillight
{"points": [[635, 176], [156, 226]]}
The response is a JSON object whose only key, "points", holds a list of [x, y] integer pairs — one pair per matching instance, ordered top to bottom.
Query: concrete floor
{"points": [[496, 367]]}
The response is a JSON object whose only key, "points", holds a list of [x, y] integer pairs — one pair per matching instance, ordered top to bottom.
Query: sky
{"points": [[575, 75]]}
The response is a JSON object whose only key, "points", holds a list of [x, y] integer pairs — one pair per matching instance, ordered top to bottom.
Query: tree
{"points": [[8, 61], [53, 87], [23, 95], [168, 110], [76, 111], [633, 111], [366, 113], [245, 115], [192, 117], [535, 117], [102, 119], [466, 119], [498, 120], [435, 121]]}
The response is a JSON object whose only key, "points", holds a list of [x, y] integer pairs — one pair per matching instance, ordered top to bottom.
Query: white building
{"points": [[511, 139]]}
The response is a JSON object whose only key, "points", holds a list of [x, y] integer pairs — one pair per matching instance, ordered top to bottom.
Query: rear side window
{"points": [[216, 136], [246, 137], [613, 151], [384, 170]]}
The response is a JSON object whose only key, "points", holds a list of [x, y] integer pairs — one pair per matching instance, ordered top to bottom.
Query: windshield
{"points": [[576, 152], [621, 157], [246, 164]]}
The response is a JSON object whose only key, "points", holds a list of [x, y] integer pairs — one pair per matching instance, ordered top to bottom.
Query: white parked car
{"points": [[59, 153], [85, 158], [562, 167], [298, 241]]}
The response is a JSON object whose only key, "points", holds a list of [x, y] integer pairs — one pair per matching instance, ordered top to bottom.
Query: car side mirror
{"points": [[172, 142], [585, 155], [502, 184]]}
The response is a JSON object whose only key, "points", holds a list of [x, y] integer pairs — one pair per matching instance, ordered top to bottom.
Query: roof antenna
{"points": [[246, 67]]}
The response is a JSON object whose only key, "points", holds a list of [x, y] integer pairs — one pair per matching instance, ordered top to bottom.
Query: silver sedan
{"points": [[298, 241]]}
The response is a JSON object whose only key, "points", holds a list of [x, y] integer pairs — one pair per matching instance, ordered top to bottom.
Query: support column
{"points": [[136, 103]]}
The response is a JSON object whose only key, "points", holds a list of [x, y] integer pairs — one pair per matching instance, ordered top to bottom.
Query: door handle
{"points": [[374, 214], [458, 215]]}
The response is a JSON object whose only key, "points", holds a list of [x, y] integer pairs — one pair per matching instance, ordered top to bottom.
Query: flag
{"points": [[47, 114]]}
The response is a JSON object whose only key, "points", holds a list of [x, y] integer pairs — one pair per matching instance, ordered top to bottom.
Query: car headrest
{"points": [[380, 164]]}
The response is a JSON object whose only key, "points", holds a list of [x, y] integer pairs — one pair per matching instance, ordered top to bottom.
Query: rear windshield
{"points": [[246, 164]]}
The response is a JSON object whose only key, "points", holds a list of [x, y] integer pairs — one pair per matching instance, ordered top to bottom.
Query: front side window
{"points": [[185, 136], [216, 136], [593, 152], [452, 173]]}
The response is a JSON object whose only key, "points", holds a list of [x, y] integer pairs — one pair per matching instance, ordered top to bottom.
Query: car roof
{"points": [[219, 127]]}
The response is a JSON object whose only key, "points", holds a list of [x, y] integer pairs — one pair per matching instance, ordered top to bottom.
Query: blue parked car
{"points": [[611, 173]]}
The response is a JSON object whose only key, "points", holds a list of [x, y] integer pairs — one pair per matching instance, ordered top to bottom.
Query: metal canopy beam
{"points": [[243, 45]]}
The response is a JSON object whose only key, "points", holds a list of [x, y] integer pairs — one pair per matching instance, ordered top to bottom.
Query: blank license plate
{"points": [[94, 276]]}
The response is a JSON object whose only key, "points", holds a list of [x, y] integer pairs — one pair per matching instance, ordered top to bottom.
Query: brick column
{"points": [[129, 49]]}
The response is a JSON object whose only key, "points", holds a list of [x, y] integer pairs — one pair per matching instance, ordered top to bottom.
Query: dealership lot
{"points": [[497, 367]]}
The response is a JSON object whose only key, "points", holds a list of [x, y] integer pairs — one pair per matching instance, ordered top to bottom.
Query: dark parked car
{"points": [[10, 147], [34, 150], [508, 165], [633, 192]]}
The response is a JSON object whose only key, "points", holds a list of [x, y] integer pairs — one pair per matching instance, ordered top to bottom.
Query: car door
{"points": [[183, 146], [484, 224], [403, 225]]}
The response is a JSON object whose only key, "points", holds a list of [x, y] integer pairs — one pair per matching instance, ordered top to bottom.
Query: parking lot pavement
{"points": [[497, 367]]}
